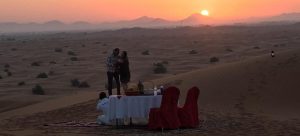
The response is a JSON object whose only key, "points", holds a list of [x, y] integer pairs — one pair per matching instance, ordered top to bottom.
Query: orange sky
{"points": [[110, 10]]}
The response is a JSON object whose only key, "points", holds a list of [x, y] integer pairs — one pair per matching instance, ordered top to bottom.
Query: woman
{"points": [[124, 70]]}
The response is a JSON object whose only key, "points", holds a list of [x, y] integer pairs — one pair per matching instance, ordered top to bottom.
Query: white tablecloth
{"points": [[132, 106]]}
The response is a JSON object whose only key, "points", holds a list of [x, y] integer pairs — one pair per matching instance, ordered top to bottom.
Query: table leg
{"points": [[130, 122], [117, 123]]}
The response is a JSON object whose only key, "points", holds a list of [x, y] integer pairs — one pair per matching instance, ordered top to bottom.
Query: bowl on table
{"points": [[132, 92], [149, 92]]}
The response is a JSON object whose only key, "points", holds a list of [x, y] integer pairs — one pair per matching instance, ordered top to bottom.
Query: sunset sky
{"points": [[112, 10]]}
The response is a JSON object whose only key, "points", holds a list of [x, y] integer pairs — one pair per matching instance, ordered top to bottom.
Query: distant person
{"points": [[272, 54], [124, 70], [113, 71], [103, 105]]}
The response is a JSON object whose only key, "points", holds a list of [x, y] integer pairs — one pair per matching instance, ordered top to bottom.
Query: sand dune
{"points": [[261, 85], [245, 90], [259, 95]]}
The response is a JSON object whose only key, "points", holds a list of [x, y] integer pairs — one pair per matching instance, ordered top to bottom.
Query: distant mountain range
{"points": [[286, 18], [145, 22]]}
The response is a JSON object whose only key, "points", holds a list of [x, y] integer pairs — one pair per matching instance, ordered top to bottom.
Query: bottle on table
{"points": [[141, 87], [161, 89], [155, 90]]}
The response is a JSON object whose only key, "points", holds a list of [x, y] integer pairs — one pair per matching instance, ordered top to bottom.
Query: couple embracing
{"points": [[118, 69]]}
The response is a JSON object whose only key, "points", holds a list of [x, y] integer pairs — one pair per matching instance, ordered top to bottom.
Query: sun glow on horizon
{"points": [[96, 11], [204, 12]]}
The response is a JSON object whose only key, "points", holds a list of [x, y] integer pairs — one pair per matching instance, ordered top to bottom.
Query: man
{"points": [[113, 71], [103, 105]]}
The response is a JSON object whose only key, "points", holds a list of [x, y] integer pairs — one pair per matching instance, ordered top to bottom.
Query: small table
{"points": [[121, 107]]}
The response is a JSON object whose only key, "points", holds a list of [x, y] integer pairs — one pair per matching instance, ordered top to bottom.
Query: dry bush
{"points": [[256, 47], [58, 50], [229, 50], [146, 52], [193, 52], [71, 53], [74, 59], [214, 59], [52, 62], [165, 62], [35, 64], [6, 66], [159, 68], [9, 73], [42, 75], [75, 82], [21, 83], [38, 90]]}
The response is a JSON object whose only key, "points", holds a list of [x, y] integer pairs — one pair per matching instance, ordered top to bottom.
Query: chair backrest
{"points": [[170, 98], [191, 101], [169, 109]]}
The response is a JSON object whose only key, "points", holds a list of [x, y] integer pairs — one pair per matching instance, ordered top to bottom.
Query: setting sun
{"points": [[205, 12]]}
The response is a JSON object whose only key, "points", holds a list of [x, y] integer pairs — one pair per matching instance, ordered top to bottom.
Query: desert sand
{"points": [[246, 93]]}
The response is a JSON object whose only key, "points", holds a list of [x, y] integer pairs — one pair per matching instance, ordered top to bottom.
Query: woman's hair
{"points": [[124, 55], [102, 95]]}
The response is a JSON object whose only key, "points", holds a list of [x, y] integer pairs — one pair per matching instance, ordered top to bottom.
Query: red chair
{"points": [[188, 114], [166, 117]]}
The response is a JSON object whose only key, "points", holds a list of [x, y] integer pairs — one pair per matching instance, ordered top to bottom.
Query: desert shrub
{"points": [[10, 39], [97, 42], [104, 44], [82, 45], [256, 47], [13, 49], [58, 50], [229, 50], [104, 52], [146, 52], [193, 52], [71, 53], [74, 59], [214, 59], [52, 62], [165, 62], [35, 64], [6, 66], [159, 68], [6, 70], [9, 73], [42, 75], [1, 77], [75, 82], [21, 83], [84, 85], [114, 85], [38, 90]]}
